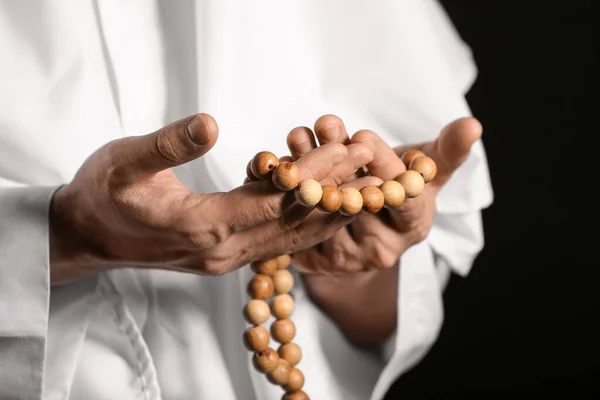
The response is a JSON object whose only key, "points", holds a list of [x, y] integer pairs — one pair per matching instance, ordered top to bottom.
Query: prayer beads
{"points": [[272, 281]]}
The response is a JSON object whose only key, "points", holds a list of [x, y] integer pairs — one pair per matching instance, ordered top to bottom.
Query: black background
{"points": [[525, 320]]}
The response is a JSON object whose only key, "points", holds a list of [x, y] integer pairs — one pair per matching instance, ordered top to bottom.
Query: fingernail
{"points": [[197, 129]]}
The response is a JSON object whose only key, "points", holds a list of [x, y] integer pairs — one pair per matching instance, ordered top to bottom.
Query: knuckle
{"points": [[168, 147], [338, 150], [272, 209], [420, 232], [218, 233], [213, 236], [295, 238], [339, 258], [383, 258], [214, 267]]}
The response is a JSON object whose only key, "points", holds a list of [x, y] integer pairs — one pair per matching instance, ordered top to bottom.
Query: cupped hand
{"points": [[126, 208], [376, 242]]}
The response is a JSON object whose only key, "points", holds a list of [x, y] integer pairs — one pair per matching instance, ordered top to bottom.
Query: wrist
{"points": [[70, 252]]}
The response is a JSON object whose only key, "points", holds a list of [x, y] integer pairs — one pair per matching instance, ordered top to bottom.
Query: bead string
{"points": [[273, 281]]}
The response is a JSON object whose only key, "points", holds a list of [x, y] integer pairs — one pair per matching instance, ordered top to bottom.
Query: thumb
{"points": [[173, 145], [452, 147]]}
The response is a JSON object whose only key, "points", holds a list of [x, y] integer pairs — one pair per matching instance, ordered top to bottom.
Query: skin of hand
{"points": [[126, 208], [363, 257]]}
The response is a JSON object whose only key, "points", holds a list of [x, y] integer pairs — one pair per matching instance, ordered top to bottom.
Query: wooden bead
{"points": [[410, 155], [263, 164], [425, 166], [286, 176], [250, 177], [412, 182], [308, 192], [393, 193], [331, 199], [373, 200], [352, 201], [283, 261], [265, 267], [283, 281], [260, 287], [282, 306], [257, 312], [283, 331], [256, 338], [290, 352], [265, 361], [281, 374], [295, 381], [299, 395]]}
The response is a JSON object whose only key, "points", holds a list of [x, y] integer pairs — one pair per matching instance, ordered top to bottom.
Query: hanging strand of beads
{"points": [[273, 282]]}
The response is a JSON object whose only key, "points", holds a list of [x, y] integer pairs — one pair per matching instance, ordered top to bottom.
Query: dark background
{"points": [[525, 320]]}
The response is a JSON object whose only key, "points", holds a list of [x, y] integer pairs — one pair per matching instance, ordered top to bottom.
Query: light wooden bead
{"points": [[410, 155], [263, 164], [425, 166], [286, 176], [250, 177], [412, 182], [308, 192], [393, 193], [331, 199], [373, 200], [352, 201], [283, 261], [265, 267], [283, 281], [260, 287], [282, 306], [257, 312], [283, 331], [256, 338], [290, 352], [265, 361], [281, 374], [295, 381], [299, 395]]}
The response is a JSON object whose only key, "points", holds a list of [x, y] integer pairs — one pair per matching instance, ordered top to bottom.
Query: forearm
{"points": [[364, 306]]}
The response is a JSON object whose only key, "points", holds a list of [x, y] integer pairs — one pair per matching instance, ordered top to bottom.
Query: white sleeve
{"points": [[24, 288]]}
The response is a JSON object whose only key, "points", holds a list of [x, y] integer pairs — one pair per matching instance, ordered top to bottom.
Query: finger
{"points": [[331, 129], [301, 141], [175, 144], [451, 148], [359, 155], [386, 164], [257, 203], [261, 244]]}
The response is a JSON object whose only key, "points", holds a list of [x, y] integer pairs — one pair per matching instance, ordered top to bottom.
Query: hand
{"points": [[125, 207], [375, 242]]}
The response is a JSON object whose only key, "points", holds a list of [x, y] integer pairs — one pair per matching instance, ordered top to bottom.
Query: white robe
{"points": [[76, 74]]}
